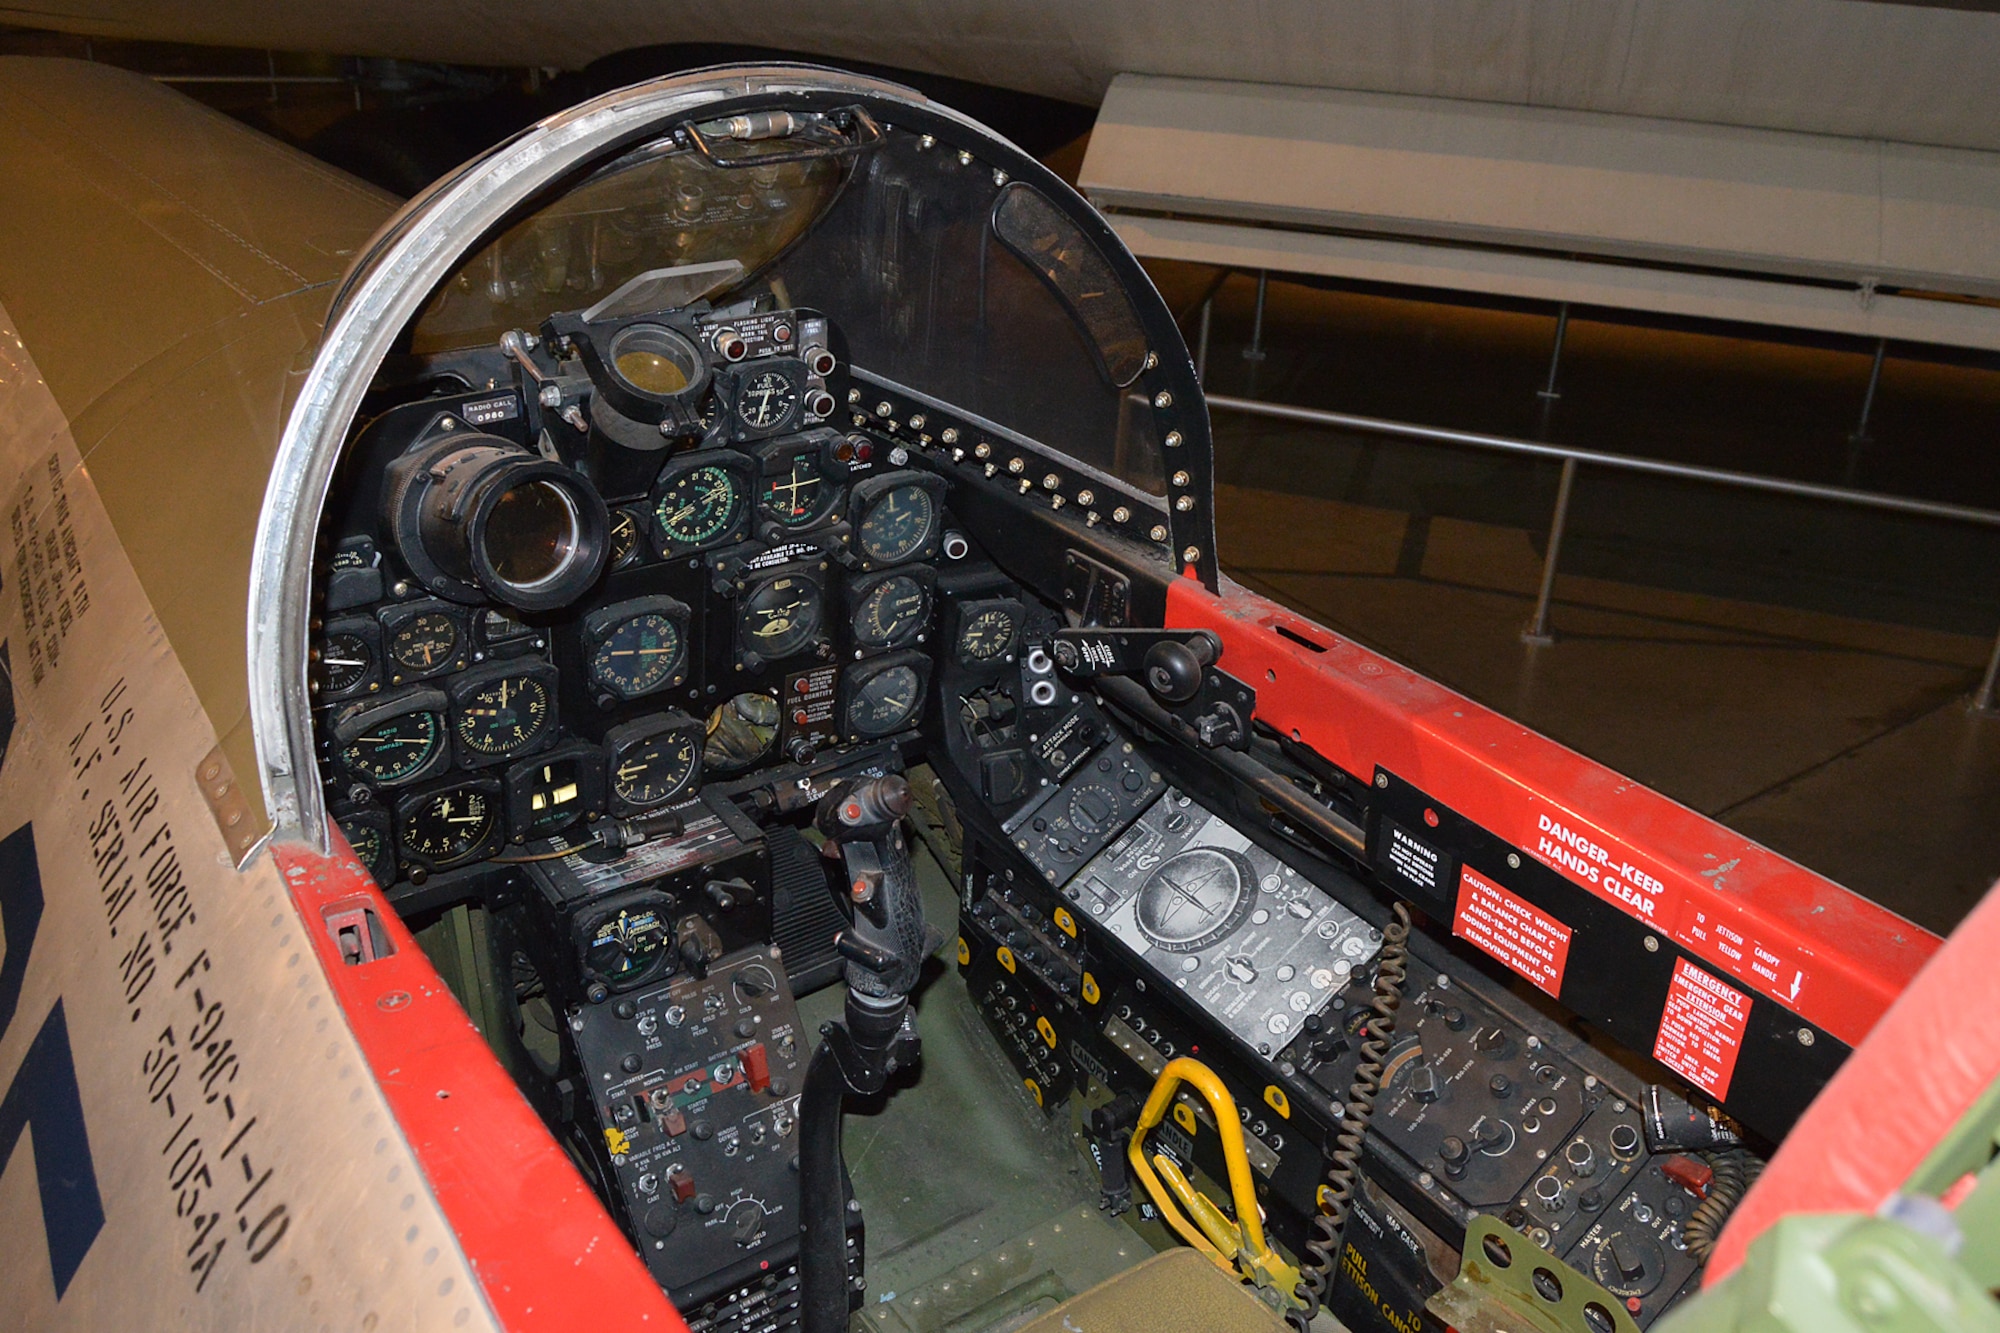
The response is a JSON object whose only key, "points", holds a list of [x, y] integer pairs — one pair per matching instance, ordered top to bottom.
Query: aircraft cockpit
{"points": [[723, 564]]}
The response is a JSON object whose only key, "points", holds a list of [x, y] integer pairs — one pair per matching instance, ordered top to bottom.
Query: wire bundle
{"points": [[1735, 1172], [1323, 1246]]}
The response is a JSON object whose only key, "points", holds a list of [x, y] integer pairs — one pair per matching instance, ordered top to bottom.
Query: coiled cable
{"points": [[1735, 1172], [1323, 1245]]}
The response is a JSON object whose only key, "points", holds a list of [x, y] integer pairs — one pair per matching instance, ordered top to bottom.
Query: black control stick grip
{"points": [[885, 945]]}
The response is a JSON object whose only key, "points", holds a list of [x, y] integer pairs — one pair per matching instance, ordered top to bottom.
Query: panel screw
{"points": [[927, 141], [964, 158], [999, 177], [1152, 359], [854, 395], [1163, 399], [883, 409], [917, 421], [950, 435], [1173, 439], [982, 450], [1016, 466], [1180, 478], [1051, 481], [1086, 497], [1184, 504], [1121, 515], [1190, 555], [1381, 779], [1514, 860], [1652, 944], [1805, 1036]]}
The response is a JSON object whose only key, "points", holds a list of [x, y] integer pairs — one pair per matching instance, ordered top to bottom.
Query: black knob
{"points": [[1173, 672], [800, 750], [626, 1009], [1454, 1018], [630, 1064], [1424, 1083], [1499, 1085], [703, 1130], [1624, 1140], [1453, 1153], [1591, 1199], [659, 1221], [1627, 1259]]}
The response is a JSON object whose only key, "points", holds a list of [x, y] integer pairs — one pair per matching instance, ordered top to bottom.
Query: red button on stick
{"points": [[757, 1065]]}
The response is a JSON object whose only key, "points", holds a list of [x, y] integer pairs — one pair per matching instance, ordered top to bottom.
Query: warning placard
{"points": [[1512, 929], [1701, 1029]]}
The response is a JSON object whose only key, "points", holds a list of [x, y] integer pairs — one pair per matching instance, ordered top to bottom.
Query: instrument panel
{"points": [[652, 562]]}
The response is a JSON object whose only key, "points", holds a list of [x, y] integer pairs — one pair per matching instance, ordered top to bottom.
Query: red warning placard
{"points": [[1512, 929], [1701, 1029]]}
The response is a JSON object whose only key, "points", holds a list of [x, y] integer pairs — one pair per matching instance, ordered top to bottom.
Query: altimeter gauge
{"points": [[504, 710], [652, 760]]}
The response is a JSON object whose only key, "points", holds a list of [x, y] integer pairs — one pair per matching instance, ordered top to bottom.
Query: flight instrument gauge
{"points": [[767, 400], [798, 493], [698, 504], [896, 518], [624, 538], [890, 610], [779, 617], [988, 631], [423, 639], [637, 647], [348, 660], [885, 695], [502, 711], [393, 740], [652, 760], [551, 791], [451, 825], [366, 828], [1196, 899], [627, 940]]}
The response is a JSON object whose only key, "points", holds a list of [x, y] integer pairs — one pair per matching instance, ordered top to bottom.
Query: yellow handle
{"points": [[1248, 1219]]}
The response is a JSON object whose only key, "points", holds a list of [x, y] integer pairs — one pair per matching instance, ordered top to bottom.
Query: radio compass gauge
{"points": [[766, 401], [697, 506], [890, 610], [779, 617], [988, 631], [423, 640], [637, 647], [347, 661], [885, 695], [502, 711], [393, 740], [652, 761], [450, 826], [1195, 899]]}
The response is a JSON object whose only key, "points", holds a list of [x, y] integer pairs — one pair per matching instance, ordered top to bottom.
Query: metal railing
{"points": [[1571, 459]]}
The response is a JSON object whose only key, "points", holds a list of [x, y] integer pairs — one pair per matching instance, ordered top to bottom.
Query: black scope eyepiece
{"points": [[478, 517]]}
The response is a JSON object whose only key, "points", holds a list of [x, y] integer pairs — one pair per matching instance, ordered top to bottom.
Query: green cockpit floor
{"points": [[981, 1214]]}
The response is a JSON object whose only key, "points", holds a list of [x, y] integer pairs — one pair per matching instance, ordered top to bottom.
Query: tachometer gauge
{"points": [[767, 400], [800, 495], [697, 505], [896, 519], [890, 610], [779, 617], [988, 631], [424, 639], [637, 647], [347, 661], [884, 696], [502, 711], [393, 740], [652, 760], [550, 792], [451, 825], [628, 940]]}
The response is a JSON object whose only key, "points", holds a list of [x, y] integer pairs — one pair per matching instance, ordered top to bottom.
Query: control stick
{"points": [[885, 949]]}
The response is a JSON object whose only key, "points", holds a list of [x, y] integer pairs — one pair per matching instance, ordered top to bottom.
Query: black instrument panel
{"points": [[763, 588]]}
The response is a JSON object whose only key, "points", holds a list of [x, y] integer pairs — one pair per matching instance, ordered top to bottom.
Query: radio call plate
{"points": [[1253, 942]]}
